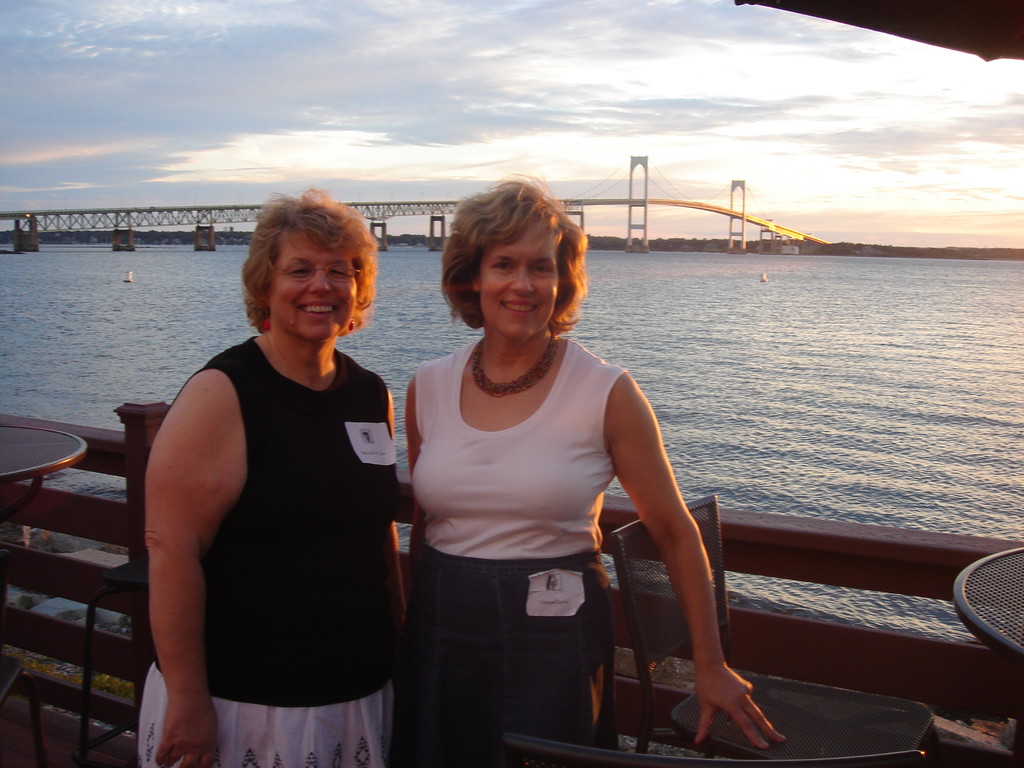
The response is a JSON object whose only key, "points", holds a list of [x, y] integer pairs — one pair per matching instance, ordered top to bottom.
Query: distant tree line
{"points": [[140, 237], [597, 242], [721, 245], [907, 251]]}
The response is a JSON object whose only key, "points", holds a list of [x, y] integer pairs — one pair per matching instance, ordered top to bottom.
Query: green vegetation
{"points": [[31, 661]]}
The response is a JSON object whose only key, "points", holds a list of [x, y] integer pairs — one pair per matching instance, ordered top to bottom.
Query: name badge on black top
{"points": [[372, 442]]}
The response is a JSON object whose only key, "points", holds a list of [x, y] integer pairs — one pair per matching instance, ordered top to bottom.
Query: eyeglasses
{"points": [[335, 273]]}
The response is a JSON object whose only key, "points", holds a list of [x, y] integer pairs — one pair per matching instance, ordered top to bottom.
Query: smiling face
{"points": [[518, 285], [313, 310]]}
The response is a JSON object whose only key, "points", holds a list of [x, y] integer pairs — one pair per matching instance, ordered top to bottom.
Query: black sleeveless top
{"points": [[297, 609]]}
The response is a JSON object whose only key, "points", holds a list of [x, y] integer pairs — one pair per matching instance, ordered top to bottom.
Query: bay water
{"points": [[874, 390]]}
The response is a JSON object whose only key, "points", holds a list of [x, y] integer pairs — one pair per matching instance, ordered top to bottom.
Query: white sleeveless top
{"points": [[533, 490]]}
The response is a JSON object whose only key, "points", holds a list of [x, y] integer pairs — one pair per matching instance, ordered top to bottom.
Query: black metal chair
{"points": [[132, 576], [12, 673], [817, 720], [530, 752]]}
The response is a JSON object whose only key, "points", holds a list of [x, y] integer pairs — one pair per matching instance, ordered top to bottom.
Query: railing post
{"points": [[141, 422], [1016, 744]]}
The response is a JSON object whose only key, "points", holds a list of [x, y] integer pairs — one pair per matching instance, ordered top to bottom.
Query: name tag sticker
{"points": [[372, 442], [555, 593]]}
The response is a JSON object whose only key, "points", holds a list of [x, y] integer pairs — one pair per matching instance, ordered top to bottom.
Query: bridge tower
{"points": [[641, 204], [575, 209], [742, 234], [206, 238], [382, 238], [129, 239], [26, 242], [432, 243]]}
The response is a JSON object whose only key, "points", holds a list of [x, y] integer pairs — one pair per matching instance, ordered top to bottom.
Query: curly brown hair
{"points": [[500, 216], [331, 225]]}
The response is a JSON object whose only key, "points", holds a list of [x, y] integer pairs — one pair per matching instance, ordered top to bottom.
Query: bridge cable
{"points": [[603, 186], [673, 191], [719, 195]]}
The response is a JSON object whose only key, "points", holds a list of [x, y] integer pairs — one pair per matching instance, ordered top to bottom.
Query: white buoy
{"points": [[129, 277], [764, 277]]}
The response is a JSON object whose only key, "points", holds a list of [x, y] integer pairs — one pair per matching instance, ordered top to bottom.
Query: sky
{"points": [[848, 134]]}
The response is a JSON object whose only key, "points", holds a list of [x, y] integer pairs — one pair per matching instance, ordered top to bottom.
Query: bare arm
{"points": [[634, 441], [195, 474]]}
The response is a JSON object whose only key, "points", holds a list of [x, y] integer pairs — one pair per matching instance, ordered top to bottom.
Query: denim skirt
{"points": [[474, 664]]}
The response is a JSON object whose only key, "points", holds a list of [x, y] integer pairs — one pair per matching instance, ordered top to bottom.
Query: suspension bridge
{"points": [[123, 221]]}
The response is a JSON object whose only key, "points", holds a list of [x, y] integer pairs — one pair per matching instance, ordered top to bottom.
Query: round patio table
{"points": [[30, 453], [989, 599]]}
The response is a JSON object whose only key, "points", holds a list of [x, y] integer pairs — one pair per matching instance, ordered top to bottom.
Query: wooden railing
{"points": [[112, 521], [959, 675]]}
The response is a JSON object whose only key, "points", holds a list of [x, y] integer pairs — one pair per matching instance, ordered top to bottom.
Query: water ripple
{"points": [[882, 391]]}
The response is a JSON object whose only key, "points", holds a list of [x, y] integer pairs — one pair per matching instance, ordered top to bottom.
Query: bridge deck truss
{"points": [[135, 218]]}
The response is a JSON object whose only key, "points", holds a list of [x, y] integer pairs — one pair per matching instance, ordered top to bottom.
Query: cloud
{"points": [[163, 101]]}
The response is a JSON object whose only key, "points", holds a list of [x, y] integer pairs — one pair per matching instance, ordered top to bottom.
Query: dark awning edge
{"points": [[991, 29]]}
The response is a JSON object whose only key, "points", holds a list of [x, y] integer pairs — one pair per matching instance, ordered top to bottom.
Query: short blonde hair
{"points": [[500, 216], [331, 225]]}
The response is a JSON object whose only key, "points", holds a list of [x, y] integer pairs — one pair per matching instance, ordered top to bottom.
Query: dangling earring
{"points": [[266, 320]]}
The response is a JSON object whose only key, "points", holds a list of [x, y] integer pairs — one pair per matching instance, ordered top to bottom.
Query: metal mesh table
{"points": [[29, 453], [989, 598]]}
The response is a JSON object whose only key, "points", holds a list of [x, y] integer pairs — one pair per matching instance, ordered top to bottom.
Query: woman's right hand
{"points": [[190, 734]]}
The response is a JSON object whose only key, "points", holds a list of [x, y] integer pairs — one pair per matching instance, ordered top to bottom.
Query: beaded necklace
{"points": [[521, 384]]}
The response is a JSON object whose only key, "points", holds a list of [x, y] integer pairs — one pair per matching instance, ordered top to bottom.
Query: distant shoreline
{"points": [[597, 243], [868, 250], [958, 256]]}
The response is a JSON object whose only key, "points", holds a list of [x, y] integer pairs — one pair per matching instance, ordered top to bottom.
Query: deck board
{"points": [[17, 749]]}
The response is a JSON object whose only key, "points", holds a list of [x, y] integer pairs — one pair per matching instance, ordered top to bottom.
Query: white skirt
{"points": [[352, 734]]}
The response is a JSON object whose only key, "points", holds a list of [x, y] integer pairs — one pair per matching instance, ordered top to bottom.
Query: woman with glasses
{"points": [[512, 441], [271, 495]]}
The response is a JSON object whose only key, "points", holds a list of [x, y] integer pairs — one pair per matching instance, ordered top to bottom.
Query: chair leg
{"points": [[129, 577], [36, 709], [643, 734], [642, 742], [932, 748], [81, 757]]}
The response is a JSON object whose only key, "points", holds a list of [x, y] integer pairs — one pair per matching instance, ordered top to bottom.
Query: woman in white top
{"points": [[509, 625]]}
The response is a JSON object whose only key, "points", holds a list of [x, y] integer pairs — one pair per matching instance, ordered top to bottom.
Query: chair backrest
{"points": [[657, 624], [530, 752]]}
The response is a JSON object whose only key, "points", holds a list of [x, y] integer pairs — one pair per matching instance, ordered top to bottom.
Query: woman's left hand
{"points": [[638, 454], [721, 689]]}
